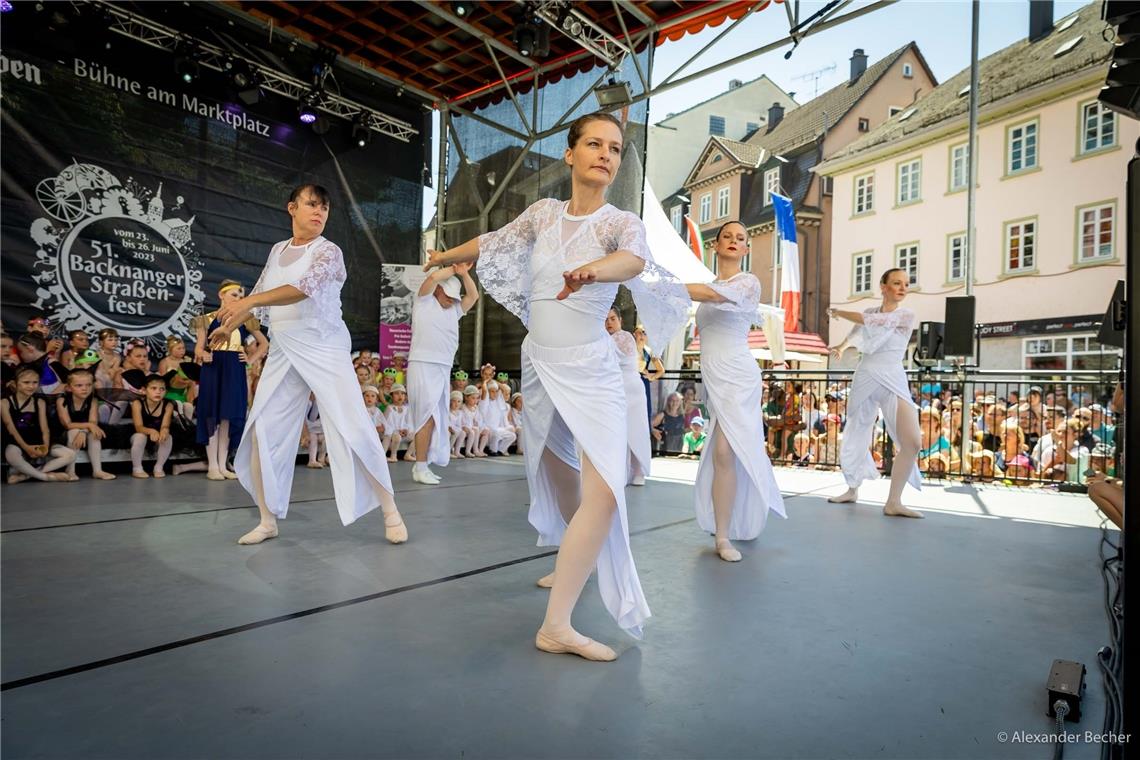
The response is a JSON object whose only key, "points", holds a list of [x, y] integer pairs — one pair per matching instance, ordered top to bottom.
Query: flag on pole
{"points": [[695, 241], [789, 262]]}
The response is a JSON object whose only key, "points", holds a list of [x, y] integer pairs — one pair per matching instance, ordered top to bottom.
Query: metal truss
{"points": [[562, 16], [213, 57]]}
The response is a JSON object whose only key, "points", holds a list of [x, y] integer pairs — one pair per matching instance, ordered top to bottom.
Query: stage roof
{"points": [[426, 46]]}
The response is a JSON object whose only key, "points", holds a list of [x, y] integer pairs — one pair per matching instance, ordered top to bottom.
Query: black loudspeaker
{"points": [[960, 326], [1112, 328], [930, 341]]}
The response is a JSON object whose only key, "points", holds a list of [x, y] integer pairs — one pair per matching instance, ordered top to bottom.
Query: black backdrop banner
{"points": [[127, 196]]}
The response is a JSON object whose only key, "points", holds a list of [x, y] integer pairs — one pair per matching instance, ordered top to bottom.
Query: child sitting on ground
{"points": [[78, 413], [151, 416], [398, 423], [26, 439]]}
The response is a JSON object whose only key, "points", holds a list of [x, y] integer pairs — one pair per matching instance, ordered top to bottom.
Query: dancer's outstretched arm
{"points": [[469, 251], [618, 266], [434, 279], [470, 290], [701, 292], [853, 316]]}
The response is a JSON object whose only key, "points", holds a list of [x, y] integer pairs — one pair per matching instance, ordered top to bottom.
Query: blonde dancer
{"points": [[556, 267], [881, 333], [735, 487]]}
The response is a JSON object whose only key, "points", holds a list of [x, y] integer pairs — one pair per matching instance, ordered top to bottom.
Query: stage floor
{"points": [[133, 626]]}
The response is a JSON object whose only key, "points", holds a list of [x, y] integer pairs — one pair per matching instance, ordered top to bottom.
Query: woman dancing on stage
{"points": [[537, 267], [298, 296], [881, 333], [637, 425], [735, 485]]}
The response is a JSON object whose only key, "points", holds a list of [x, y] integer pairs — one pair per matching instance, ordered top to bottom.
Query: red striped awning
{"points": [[798, 342]]}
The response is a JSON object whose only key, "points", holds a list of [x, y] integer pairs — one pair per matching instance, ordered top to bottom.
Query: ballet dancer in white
{"points": [[557, 267], [298, 296], [879, 385], [736, 486]]}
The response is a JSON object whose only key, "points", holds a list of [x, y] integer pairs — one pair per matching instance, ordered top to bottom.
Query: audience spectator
{"points": [[668, 426], [694, 441]]}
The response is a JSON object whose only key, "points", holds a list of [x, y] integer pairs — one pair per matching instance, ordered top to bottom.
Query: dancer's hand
{"points": [[434, 259], [462, 267], [574, 280], [832, 313], [837, 351], [98, 433], [163, 435], [153, 437], [79, 441], [39, 451]]}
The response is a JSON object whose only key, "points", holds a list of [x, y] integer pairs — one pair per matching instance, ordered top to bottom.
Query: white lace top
{"points": [[523, 262], [319, 273], [724, 325], [884, 334]]}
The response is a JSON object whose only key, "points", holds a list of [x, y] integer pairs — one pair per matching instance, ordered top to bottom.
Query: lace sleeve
{"points": [[504, 258], [742, 293], [661, 299], [879, 327], [626, 344]]}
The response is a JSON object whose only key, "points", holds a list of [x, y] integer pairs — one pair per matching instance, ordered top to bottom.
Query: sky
{"points": [[941, 29]]}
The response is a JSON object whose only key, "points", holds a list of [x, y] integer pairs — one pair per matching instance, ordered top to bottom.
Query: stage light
{"points": [[5, 6], [463, 10], [526, 38], [186, 64], [613, 94], [306, 111], [361, 134]]}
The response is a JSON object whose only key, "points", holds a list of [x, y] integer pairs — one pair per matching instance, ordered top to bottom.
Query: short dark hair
{"points": [[580, 123], [318, 191], [731, 221], [71, 335], [34, 340], [79, 371], [152, 379]]}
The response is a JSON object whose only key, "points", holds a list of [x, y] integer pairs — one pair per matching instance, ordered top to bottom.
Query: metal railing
{"points": [[1028, 428]]}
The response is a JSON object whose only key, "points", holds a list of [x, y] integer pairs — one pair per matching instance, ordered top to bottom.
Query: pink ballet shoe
{"points": [[140, 475], [16, 477], [394, 529], [258, 534], [727, 551], [546, 581], [589, 650]]}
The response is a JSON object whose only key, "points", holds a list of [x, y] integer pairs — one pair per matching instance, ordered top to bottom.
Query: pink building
{"points": [[1050, 200]]}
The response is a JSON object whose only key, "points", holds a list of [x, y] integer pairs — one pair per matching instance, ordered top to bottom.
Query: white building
{"points": [[675, 143]]}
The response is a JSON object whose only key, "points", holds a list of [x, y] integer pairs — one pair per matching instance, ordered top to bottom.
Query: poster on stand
{"points": [[399, 284]]}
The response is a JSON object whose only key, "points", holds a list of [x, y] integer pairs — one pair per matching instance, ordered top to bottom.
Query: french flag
{"points": [[790, 262]]}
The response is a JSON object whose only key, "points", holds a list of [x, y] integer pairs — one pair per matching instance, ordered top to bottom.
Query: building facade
{"points": [[675, 142], [733, 180], [1050, 197]]}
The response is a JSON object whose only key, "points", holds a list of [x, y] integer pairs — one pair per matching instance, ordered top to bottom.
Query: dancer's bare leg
{"points": [[908, 441], [224, 450], [567, 484], [723, 495], [267, 527], [581, 544]]}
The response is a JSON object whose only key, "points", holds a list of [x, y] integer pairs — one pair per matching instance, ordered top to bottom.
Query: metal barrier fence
{"points": [[1026, 428]]}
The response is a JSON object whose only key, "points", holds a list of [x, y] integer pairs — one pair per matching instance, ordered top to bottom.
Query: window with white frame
{"points": [[908, 70], [716, 125], [1098, 127], [1021, 147], [959, 169], [909, 181], [771, 184], [864, 193], [722, 202], [706, 208], [675, 217], [1097, 231], [1020, 246], [956, 257], [906, 259], [861, 273], [1075, 352]]}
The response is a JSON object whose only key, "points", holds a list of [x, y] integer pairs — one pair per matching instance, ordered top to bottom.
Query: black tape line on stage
{"points": [[221, 509], [139, 654]]}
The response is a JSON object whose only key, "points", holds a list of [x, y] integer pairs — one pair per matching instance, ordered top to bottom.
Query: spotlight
{"points": [[5, 6], [463, 10], [568, 22], [526, 38], [186, 64], [251, 94], [613, 94], [307, 111], [361, 134]]}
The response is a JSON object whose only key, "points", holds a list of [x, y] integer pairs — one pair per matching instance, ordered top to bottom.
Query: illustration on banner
{"points": [[107, 257]]}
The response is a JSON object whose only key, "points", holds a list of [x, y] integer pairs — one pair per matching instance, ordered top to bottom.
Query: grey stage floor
{"points": [[134, 627]]}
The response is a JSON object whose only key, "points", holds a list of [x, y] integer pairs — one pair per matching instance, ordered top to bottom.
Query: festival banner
{"points": [[129, 195], [399, 284]]}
